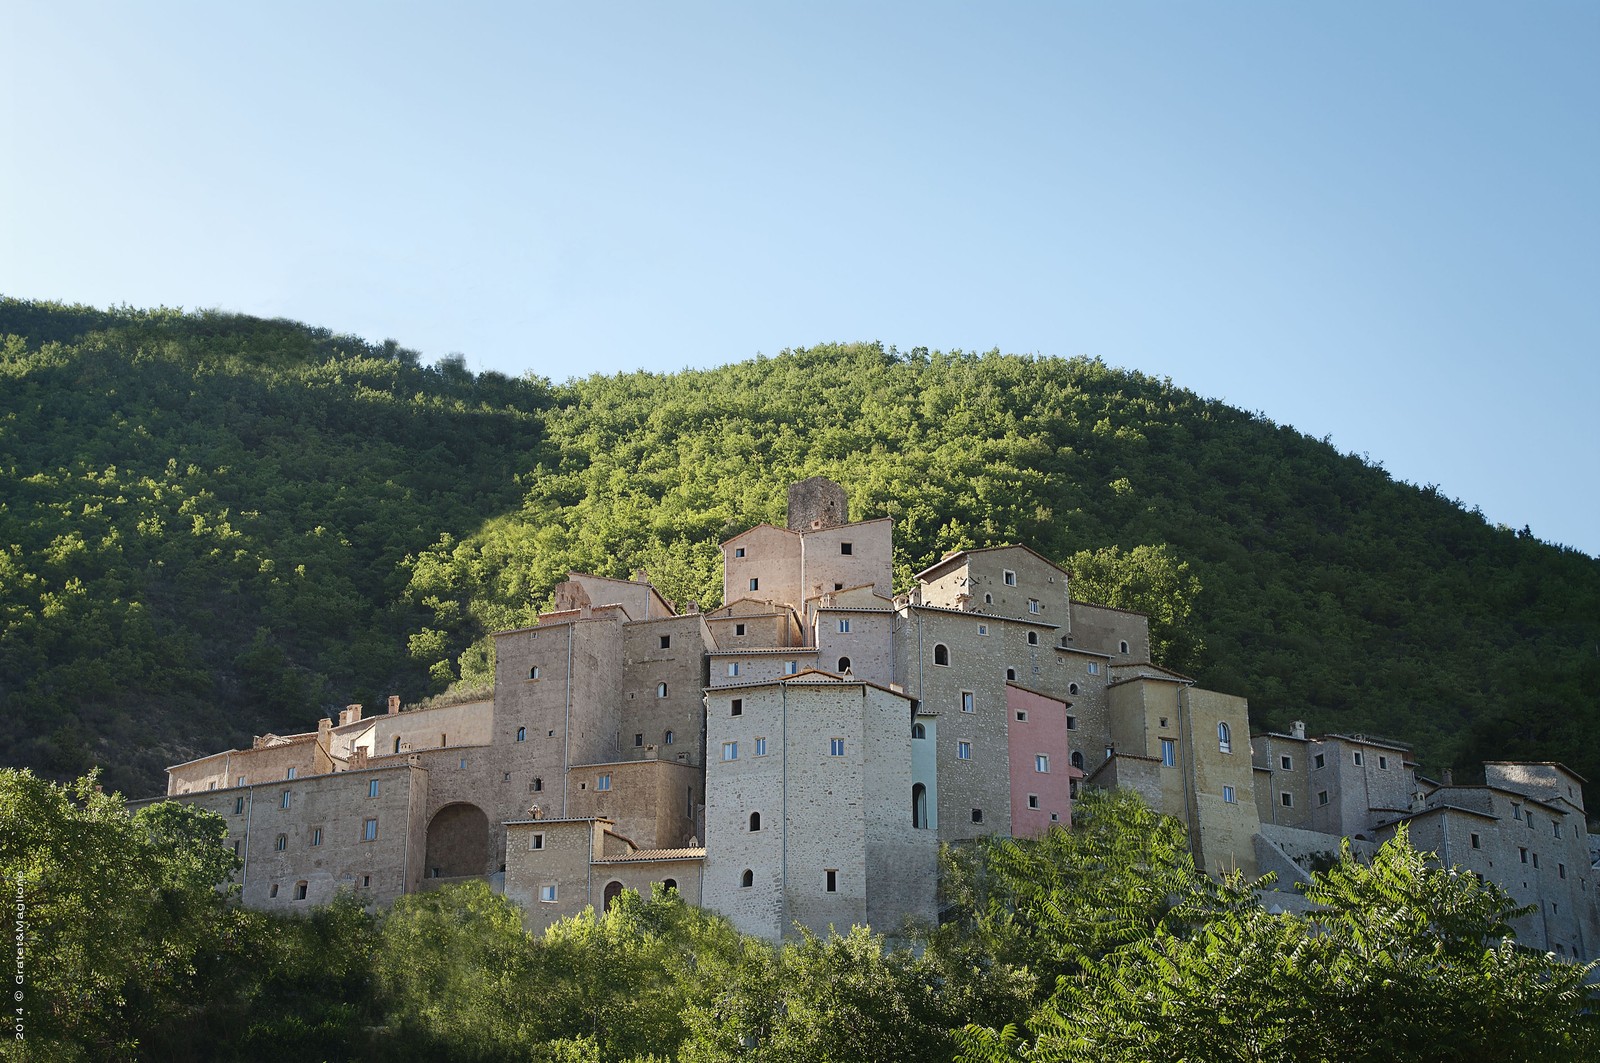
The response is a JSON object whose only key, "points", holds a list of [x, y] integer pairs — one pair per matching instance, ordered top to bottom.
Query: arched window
{"points": [[988, 599], [1033, 638], [1123, 646], [941, 654], [844, 664], [533, 673], [1011, 675], [1072, 688], [661, 690], [918, 731], [522, 734], [1224, 737], [669, 739], [397, 743], [1077, 759], [538, 784], [919, 806], [755, 821], [282, 843], [748, 879], [670, 884], [613, 890]]}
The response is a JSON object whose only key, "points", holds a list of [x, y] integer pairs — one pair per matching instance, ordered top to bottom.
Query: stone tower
{"points": [[817, 503]]}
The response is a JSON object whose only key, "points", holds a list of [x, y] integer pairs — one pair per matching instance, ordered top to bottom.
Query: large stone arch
{"points": [[458, 841]]}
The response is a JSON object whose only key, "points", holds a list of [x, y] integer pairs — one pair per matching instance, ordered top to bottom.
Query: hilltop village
{"points": [[794, 757]]}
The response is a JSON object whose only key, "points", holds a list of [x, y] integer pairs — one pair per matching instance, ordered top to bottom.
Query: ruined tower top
{"points": [[817, 503]]}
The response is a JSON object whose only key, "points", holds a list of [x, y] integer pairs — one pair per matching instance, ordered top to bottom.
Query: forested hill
{"points": [[213, 526]]}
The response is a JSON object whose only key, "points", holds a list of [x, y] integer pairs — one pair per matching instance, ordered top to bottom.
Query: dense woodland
{"points": [[212, 526], [1101, 944]]}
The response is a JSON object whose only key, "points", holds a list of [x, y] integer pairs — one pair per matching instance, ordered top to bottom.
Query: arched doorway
{"points": [[919, 806], [458, 842], [613, 891]]}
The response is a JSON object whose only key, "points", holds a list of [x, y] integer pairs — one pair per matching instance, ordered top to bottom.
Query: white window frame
{"points": [[1008, 577], [844, 625], [969, 702], [761, 746], [836, 747], [963, 750], [730, 751], [1169, 753], [1041, 763], [602, 782], [1229, 795], [547, 893]]}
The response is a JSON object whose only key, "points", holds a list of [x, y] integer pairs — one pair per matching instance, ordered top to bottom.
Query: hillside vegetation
{"points": [[214, 525]]}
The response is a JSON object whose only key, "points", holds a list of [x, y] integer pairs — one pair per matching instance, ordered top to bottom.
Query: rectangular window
{"points": [[846, 548], [738, 551], [1009, 578], [755, 584], [1033, 605], [844, 627], [738, 629], [983, 629], [666, 642], [791, 667], [1094, 667], [733, 669], [967, 703], [737, 707], [1022, 716], [1072, 723], [638, 740], [761, 747], [835, 747], [963, 750], [730, 751], [1169, 753], [1356, 757], [1321, 761], [1287, 762], [1041, 763], [1383, 763], [462, 764], [291, 774], [240, 782], [603, 782], [372, 787], [1228, 795], [1322, 799], [1033, 800], [1286, 800], [284, 801], [238, 806], [1516, 812], [977, 815], [1555, 828], [369, 830], [316, 836], [536, 840], [1477, 843], [1524, 854], [1535, 859], [1561, 870], [833, 880], [547, 894]]}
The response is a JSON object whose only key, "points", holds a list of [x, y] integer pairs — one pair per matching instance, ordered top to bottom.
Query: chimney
{"points": [[394, 704], [351, 714], [1298, 729], [1449, 777]]}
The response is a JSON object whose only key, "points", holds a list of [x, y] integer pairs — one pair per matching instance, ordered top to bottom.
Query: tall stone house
{"points": [[793, 757]]}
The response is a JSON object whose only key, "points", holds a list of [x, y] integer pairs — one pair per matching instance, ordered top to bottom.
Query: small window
{"points": [[845, 548], [738, 551], [1009, 578], [755, 584], [838, 586], [988, 599], [1033, 605], [844, 625], [738, 629], [983, 629], [1033, 638], [666, 642], [1122, 647], [941, 655], [844, 664], [791, 667], [1094, 667], [733, 668], [533, 673], [1011, 675], [1072, 688], [661, 690], [968, 704], [736, 707], [1022, 715], [1072, 723], [918, 731], [522, 734], [1224, 737], [668, 738], [444, 740], [638, 740], [397, 743], [761, 747], [835, 747], [963, 750], [730, 751], [1111, 751], [1169, 753], [1356, 758], [1077, 759], [1319, 761], [1041, 763], [1287, 763], [1383, 763], [462, 764], [291, 774], [240, 782], [603, 782], [538, 784], [212, 785], [372, 787], [1229, 796], [1286, 799], [1322, 799], [1033, 800], [283, 801], [238, 806], [1516, 812], [977, 815], [755, 822], [1555, 828], [369, 830], [536, 840], [1477, 842], [281, 843], [1524, 854], [1535, 859], [1561, 870], [747, 879], [669, 885], [300, 891], [273, 892], [547, 894]]}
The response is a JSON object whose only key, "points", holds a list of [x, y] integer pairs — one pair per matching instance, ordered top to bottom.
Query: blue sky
{"points": [[1375, 222]]}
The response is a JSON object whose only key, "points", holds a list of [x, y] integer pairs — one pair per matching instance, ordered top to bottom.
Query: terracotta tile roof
{"points": [[645, 855]]}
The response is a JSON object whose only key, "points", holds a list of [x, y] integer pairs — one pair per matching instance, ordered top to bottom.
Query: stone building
{"points": [[794, 757]]}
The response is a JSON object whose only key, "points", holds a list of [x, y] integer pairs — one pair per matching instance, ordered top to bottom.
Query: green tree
{"points": [[1149, 580]]}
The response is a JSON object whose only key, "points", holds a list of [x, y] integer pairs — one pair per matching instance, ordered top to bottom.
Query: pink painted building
{"points": [[1041, 761]]}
